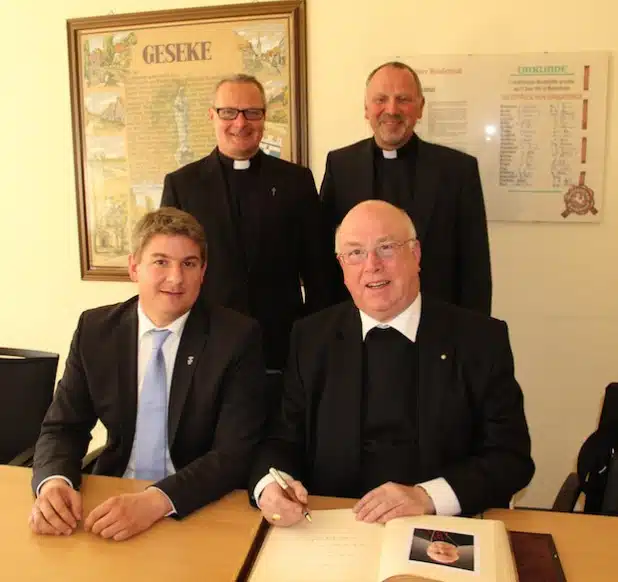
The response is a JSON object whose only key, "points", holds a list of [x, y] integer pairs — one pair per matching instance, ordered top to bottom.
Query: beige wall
{"points": [[554, 284]]}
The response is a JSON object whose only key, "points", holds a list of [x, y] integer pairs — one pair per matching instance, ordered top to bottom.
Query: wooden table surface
{"points": [[587, 544], [210, 545]]}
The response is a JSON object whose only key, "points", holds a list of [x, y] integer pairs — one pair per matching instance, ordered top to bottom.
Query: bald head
{"points": [[375, 211], [379, 255]]}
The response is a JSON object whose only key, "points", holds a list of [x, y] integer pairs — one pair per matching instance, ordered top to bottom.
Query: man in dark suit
{"points": [[440, 188], [262, 215], [178, 386], [409, 403]]}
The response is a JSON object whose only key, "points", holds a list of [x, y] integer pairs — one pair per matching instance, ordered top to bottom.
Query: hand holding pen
{"points": [[289, 492]]}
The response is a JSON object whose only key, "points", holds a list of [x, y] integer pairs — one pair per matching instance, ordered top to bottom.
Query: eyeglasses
{"points": [[231, 113], [383, 251]]}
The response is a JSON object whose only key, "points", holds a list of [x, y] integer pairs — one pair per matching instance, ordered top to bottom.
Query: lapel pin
{"points": [[273, 191], [443, 357], [190, 360]]}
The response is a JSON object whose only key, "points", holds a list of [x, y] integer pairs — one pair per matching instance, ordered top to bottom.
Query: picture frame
{"points": [[141, 86]]}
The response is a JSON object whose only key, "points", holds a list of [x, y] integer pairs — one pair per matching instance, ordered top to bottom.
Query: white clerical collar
{"points": [[389, 154], [242, 164], [405, 323], [145, 324]]}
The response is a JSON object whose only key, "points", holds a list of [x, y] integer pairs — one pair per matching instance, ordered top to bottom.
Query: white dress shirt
{"points": [[444, 499]]}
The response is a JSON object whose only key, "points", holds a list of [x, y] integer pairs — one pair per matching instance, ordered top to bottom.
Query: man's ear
{"points": [[421, 108], [211, 113], [417, 252], [133, 264]]}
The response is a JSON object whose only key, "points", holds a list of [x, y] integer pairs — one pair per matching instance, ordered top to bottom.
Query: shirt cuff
{"points": [[264, 481], [38, 489], [444, 499], [170, 513]]}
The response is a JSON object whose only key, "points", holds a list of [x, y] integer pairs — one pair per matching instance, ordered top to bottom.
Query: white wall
{"points": [[554, 284]]}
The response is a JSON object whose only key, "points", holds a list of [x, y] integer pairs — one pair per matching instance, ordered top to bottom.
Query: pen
{"points": [[289, 492]]}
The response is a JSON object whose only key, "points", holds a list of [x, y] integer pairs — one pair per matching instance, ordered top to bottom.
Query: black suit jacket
{"points": [[447, 209], [264, 280], [216, 406], [471, 425]]}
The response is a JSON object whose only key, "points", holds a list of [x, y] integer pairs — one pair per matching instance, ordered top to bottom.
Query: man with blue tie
{"points": [[178, 386]]}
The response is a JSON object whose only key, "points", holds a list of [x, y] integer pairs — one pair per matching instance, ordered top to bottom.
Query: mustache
{"points": [[391, 117]]}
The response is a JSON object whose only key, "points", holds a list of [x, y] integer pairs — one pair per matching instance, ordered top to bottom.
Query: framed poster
{"points": [[141, 87]]}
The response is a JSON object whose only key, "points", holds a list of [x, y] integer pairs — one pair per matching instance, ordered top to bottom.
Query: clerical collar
{"points": [[408, 150], [231, 163], [406, 322]]}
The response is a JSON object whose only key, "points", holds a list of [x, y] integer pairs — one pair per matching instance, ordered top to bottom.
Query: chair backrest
{"points": [[27, 379], [609, 412], [597, 463]]}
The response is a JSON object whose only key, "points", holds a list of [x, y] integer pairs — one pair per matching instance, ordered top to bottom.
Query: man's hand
{"points": [[393, 500], [274, 502], [56, 510], [124, 516]]}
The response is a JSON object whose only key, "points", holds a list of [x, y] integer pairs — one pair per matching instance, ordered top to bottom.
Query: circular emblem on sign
{"points": [[579, 200]]}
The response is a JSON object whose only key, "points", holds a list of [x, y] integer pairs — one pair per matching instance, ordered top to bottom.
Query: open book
{"points": [[337, 548]]}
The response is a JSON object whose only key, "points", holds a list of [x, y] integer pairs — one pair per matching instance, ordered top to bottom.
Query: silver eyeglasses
{"points": [[231, 113], [384, 251]]}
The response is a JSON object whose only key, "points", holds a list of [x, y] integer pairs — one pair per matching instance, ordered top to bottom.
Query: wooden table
{"points": [[212, 544], [586, 544], [209, 545]]}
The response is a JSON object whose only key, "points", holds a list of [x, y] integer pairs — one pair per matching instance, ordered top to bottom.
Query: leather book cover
{"points": [[536, 557]]}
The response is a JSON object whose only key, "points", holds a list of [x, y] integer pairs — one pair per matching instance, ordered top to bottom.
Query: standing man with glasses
{"points": [[440, 188], [262, 215], [178, 386], [405, 401]]}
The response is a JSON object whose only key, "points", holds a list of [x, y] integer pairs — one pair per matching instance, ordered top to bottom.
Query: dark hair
{"points": [[168, 221]]}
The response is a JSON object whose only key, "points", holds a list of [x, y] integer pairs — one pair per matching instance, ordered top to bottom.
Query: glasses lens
{"points": [[227, 113], [254, 114], [386, 251], [356, 256]]}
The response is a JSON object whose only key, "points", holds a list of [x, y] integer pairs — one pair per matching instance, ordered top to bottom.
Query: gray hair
{"points": [[402, 67], [244, 79]]}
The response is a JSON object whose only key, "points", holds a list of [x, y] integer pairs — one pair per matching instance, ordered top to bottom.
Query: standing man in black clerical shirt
{"points": [[440, 188], [262, 215]]}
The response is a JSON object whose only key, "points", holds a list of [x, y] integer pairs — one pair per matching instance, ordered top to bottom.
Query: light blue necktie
{"points": [[151, 424]]}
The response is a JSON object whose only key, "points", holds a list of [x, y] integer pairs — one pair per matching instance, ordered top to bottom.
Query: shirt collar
{"points": [[407, 150], [230, 163], [405, 323], [145, 325]]}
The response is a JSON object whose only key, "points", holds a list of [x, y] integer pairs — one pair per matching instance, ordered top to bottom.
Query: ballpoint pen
{"points": [[289, 492]]}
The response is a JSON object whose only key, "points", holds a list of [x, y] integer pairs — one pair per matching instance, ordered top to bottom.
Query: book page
{"points": [[333, 548], [446, 549]]}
